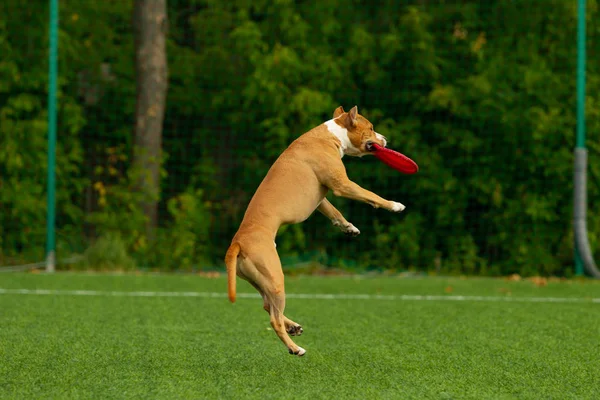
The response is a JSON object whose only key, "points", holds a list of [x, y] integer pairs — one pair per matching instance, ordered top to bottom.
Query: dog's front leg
{"points": [[347, 188], [336, 218]]}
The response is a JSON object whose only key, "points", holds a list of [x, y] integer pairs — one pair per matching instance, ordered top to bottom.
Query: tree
{"points": [[150, 31]]}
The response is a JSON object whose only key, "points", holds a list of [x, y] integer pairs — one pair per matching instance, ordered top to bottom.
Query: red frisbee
{"points": [[395, 160]]}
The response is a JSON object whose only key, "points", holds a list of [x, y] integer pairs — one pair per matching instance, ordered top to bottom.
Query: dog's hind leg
{"points": [[262, 267], [277, 304], [291, 327]]}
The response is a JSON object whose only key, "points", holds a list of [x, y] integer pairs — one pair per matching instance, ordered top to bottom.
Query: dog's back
{"points": [[291, 190]]}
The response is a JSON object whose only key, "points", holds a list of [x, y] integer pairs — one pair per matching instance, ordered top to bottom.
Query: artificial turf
{"points": [[90, 345]]}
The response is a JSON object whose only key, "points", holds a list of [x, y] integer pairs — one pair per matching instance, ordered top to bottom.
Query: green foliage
{"points": [[480, 94], [23, 147], [117, 202], [185, 242], [107, 253]]}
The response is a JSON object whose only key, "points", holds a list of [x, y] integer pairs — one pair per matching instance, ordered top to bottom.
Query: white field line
{"points": [[316, 296]]}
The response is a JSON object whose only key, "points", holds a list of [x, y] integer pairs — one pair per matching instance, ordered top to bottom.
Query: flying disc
{"points": [[397, 161]]}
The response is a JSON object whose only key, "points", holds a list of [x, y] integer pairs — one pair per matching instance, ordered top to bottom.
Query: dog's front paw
{"points": [[397, 207], [351, 230]]}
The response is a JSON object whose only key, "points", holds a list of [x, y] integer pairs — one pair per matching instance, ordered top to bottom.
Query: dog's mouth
{"points": [[369, 146]]}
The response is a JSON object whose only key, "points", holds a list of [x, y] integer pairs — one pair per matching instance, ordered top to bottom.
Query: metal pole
{"points": [[581, 59], [52, 78], [584, 258]]}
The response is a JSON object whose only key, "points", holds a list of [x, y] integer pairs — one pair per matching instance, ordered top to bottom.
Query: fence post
{"points": [[52, 78], [583, 254]]}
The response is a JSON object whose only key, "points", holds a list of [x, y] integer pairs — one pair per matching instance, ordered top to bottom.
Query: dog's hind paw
{"points": [[295, 330], [300, 352]]}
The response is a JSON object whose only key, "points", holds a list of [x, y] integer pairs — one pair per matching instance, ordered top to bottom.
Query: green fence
{"points": [[482, 94]]}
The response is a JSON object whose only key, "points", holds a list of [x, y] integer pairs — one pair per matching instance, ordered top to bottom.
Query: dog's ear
{"points": [[338, 111], [352, 115]]}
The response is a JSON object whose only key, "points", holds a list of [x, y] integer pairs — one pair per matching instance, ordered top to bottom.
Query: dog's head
{"points": [[355, 132]]}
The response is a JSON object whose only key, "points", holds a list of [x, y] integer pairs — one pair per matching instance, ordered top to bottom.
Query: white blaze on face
{"points": [[342, 134], [380, 137]]}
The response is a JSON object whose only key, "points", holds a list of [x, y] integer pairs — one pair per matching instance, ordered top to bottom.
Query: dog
{"points": [[296, 185]]}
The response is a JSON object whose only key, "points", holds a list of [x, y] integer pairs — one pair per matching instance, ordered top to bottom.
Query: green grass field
{"points": [[59, 343]]}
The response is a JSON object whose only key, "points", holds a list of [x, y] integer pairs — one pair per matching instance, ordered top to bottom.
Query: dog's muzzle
{"points": [[369, 146]]}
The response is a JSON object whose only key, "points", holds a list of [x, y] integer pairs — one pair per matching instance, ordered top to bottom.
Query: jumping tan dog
{"points": [[293, 188]]}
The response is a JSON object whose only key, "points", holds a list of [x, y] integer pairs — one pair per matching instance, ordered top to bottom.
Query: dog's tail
{"points": [[231, 264]]}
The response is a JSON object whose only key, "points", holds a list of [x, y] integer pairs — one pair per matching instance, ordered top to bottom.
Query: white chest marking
{"points": [[342, 134]]}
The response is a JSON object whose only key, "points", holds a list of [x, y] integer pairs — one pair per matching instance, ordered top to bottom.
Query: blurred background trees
{"points": [[480, 93]]}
